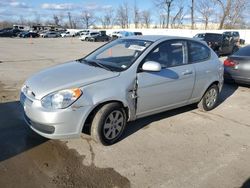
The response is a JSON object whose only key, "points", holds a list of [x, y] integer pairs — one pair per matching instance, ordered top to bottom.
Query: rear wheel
{"points": [[209, 99], [108, 123]]}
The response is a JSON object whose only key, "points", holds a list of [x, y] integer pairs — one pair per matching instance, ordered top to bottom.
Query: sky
{"points": [[28, 9]]}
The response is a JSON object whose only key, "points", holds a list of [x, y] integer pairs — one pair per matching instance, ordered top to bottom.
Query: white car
{"points": [[67, 34], [120, 34], [88, 35]]}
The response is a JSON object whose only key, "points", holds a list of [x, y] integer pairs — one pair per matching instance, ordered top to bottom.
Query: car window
{"points": [[93, 34], [213, 37], [198, 52], [169, 54]]}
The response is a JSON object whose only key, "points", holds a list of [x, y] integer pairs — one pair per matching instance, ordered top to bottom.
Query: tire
{"points": [[209, 99], [108, 124]]}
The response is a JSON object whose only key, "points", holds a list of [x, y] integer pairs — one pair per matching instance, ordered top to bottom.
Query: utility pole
{"points": [[168, 3], [192, 15], [70, 21]]}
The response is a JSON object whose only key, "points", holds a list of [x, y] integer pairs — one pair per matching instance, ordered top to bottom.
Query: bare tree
{"points": [[165, 7], [225, 7], [206, 9], [231, 9], [123, 15], [136, 16], [236, 17], [37, 18], [146, 18], [56, 19], [88, 19], [107, 19], [22, 20], [70, 20], [162, 20], [177, 20], [5, 24]]}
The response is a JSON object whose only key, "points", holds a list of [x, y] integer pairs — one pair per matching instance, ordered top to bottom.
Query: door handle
{"points": [[187, 72]]}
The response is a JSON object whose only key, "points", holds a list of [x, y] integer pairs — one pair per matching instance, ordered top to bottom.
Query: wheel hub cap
{"points": [[211, 97], [113, 125]]}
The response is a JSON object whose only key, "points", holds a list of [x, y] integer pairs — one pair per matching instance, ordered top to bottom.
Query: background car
{"points": [[5, 29], [9, 32], [137, 33], [28, 34], [51, 34], [67, 34], [120, 34], [88, 35], [235, 35], [101, 37], [222, 44], [237, 66]]}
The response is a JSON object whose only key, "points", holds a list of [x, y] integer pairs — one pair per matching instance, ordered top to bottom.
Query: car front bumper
{"points": [[54, 124]]}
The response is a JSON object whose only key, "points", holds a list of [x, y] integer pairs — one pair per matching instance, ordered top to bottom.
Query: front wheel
{"points": [[209, 99], [108, 123]]}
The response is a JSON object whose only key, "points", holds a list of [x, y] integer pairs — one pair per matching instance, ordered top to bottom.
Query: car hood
{"points": [[68, 75]]}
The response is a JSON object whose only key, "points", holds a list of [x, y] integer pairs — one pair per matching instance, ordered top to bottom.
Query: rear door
{"points": [[170, 87]]}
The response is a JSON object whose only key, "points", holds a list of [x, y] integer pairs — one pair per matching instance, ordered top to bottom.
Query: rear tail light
{"points": [[229, 63]]}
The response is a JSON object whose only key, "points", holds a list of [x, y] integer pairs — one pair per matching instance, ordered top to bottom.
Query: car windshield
{"points": [[118, 55]]}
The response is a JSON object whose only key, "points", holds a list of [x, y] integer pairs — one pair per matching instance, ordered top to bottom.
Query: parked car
{"points": [[5, 29], [83, 32], [9, 33], [137, 33], [6, 34], [28, 34], [51, 34], [66, 34], [121, 34], [234, 34], [88, 35], [101, 37], [222, 44], [237, 66], [122, 81]]}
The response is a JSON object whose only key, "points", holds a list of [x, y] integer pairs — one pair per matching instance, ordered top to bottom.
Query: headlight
{"points": [[61, 99]]}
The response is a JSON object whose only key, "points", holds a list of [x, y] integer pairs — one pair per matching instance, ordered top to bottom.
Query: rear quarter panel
{"points": [[207, 72]]}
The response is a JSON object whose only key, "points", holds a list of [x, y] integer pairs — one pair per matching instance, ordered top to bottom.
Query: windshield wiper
{"points": [[96, 63]]}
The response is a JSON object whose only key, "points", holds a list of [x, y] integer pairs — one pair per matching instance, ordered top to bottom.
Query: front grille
{"points": [[40, 127]]}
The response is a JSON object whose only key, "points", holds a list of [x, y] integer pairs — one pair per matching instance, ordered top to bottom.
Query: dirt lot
{"points": [[179, 148]]}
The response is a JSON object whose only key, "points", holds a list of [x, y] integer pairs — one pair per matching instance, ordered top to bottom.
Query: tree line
{"points": [[224, 14]]}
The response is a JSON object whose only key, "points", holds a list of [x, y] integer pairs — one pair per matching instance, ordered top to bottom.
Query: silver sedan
{"points": [[124, 80]]}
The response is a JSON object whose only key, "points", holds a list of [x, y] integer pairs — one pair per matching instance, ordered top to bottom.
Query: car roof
{"points": [[154, 38]]}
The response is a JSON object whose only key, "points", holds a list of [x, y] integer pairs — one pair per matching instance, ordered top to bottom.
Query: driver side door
{"points": [[170, 87]]}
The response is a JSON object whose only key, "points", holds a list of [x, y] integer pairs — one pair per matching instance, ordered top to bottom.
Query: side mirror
{"points": [[151, 66]]}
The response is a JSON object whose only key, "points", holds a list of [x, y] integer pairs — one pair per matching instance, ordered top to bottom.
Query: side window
{"points": [[198, 52], [169, 53]]}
